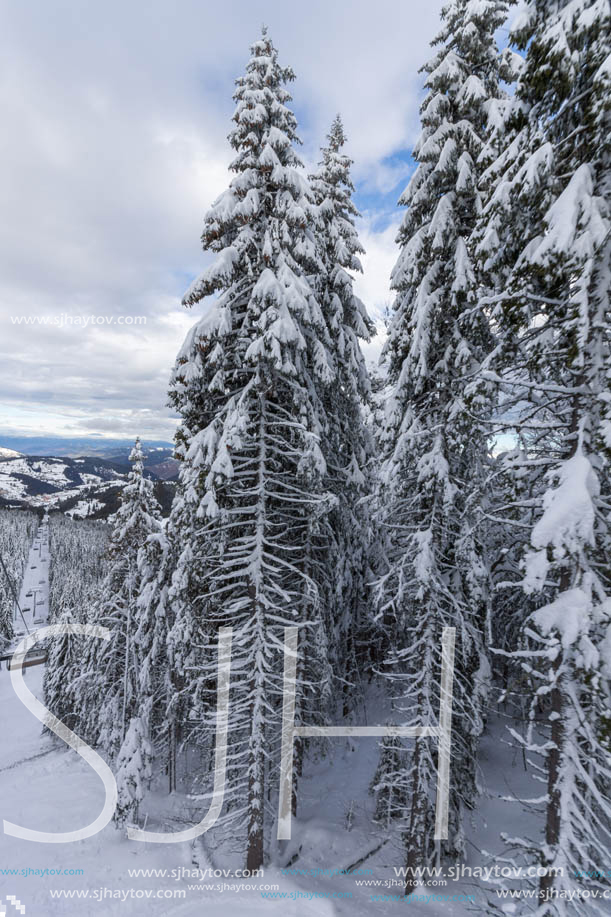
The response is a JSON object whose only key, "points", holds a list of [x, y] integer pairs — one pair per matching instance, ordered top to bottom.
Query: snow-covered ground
{"points": [[13, 487], [84, 508], [44, 785]]}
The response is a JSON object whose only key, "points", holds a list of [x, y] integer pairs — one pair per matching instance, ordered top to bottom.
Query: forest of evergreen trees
{"points": [[468, 486]]}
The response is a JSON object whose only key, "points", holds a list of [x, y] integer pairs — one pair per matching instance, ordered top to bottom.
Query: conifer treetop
{"points": [[264, 213], [261, 231], [338, 238], [429, 340], [139, 512]]}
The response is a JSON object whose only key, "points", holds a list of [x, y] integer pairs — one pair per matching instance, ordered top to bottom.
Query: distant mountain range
{"points": [[73, 446], [158, 454], [82, 484]]}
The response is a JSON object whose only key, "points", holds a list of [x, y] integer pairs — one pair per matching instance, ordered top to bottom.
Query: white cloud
{"points": [[113, 144], [373, 285]]}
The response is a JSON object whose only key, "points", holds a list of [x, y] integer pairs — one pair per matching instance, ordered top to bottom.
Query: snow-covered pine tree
{"points": [[552, 272], [435, 441], [347, 442], [251, 488], [16, 530], [77, 553], [7, 605], [63, 665], [156, 688], [112, 694], [150, 735], [133, 770], [388, 784]]}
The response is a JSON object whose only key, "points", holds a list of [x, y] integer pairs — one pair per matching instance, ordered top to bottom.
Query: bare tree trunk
{"points": [[349, 676], [557, 736], [172, 756], [256, 763], [256, 787], [552, 817], [552, 820], [415, 836], [254, 856]]}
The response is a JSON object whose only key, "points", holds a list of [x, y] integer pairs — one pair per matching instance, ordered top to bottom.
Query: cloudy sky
{"points": [[113, 144]]}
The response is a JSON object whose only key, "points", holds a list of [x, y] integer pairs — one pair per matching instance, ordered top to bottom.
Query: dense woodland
{"points": [[471, 489], [16, 530]]}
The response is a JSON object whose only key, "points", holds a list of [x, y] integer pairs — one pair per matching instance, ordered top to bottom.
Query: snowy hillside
{"points": [[46, 481]]}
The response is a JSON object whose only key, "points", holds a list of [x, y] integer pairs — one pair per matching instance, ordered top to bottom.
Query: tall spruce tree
{"points": [[546, 246], [435, 441], [347, 443], [252, 491], [16, 530], [77, 553], [7, 608], [63, 666], [111, 677], [157, 699], [149, 732]]}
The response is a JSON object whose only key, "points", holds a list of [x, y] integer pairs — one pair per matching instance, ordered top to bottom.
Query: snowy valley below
{"points": [[83, 486]]}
